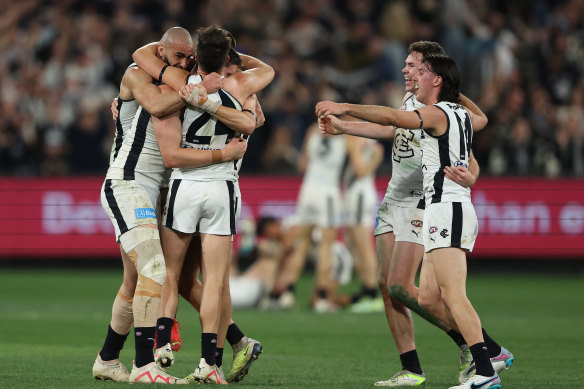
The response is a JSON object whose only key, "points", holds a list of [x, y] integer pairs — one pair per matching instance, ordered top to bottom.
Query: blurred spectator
{"points": [[523, 61]]}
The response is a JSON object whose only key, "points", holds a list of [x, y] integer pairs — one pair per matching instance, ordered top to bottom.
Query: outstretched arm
{"points": [[430, 117], [362, 129]]}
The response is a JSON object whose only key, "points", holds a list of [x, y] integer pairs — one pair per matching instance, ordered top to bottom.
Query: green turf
{"points": [[52, 322]]}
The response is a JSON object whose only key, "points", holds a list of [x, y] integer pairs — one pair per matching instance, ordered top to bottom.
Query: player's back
{"points": [[202, 131], [136, 149], [449, 149], [326, 158], [406, 185]]}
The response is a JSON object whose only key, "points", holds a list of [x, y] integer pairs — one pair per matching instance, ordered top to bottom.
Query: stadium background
{"points": [[522, 62]]}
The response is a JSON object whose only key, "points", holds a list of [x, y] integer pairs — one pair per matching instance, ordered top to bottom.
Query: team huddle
{"points": [[172, 194]]}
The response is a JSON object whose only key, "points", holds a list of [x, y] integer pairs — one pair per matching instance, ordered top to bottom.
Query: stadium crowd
{"points": [[523, 62]]}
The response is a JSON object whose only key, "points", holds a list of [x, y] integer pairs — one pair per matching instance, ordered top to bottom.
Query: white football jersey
{"points": [[202, 131], [449, 149], [138, 152], [326, 158], [407, 181], [353, 182]]}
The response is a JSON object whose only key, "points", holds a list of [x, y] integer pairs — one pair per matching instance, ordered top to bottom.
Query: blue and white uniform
{"points": [[130, 194], [205, 199], [319, 200], [402, 208], [449, 218]]}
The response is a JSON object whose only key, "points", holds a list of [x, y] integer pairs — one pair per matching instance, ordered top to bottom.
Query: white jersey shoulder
{"points": [[202, 131], [449, 149], [407, 181]]}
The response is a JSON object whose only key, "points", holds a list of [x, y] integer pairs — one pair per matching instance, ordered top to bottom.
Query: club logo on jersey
{"points": [[401, 145], [459, 163], [142, 213], [417, 223], [433, 229], [444, 233]]}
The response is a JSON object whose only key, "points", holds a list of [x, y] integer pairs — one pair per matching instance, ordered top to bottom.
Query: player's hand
{"points": [[212, 82], [194, 95], [114, 108], [324, 108], [261, 117], [330, 125], [235, 149], [461, 175]]}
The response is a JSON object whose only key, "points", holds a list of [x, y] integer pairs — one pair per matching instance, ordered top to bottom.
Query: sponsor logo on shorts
{"points": [[416, 193], [142, 213], [376, 222], [417, 223], [433, 229], [417, 233], [444, 233]]}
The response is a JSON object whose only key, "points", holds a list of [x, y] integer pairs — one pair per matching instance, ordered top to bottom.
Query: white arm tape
{"points": [[209, 105]]}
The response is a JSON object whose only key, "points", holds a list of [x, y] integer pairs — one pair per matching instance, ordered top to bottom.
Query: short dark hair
{"points": [[212, 48], [426, 48], [234, 58], [445, 67]]}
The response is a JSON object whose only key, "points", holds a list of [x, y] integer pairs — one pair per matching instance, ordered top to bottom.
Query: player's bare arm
{"points": [[146, 58], [256, 77], [157, 101], [481, 120], [241, 121], [362, 129], [169, 136], [355, 147]]}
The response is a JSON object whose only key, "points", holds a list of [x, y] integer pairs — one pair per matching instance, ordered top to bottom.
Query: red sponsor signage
{"points": [[518, 218]]}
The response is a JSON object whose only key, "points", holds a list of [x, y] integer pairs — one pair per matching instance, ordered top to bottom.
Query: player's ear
{"points": [[161, 50], [438, 81]]}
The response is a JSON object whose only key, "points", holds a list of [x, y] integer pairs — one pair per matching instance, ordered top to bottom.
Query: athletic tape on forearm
{"points": [[208, 105], [216, 156]]}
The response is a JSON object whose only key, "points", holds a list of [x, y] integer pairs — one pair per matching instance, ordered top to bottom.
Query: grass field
{"points": [[52, 323]]}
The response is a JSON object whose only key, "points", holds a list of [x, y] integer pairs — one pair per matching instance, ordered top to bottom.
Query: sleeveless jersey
{"points": [[126, 112], [202, 131], [449, 149], [138, 152], [326, 160], [361, 183], [406, 186]]}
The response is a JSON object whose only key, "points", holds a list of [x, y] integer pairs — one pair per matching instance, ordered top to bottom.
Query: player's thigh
{"points": [[174, 247], [384, 247], [216, 252], [404, 263], [449, 265], [429, 292]]}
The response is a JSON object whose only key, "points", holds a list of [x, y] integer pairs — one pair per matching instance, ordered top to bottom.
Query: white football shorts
{"points": [[131, 203], [360, 206], [208, 207], [405, 223], [450, 225]]}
